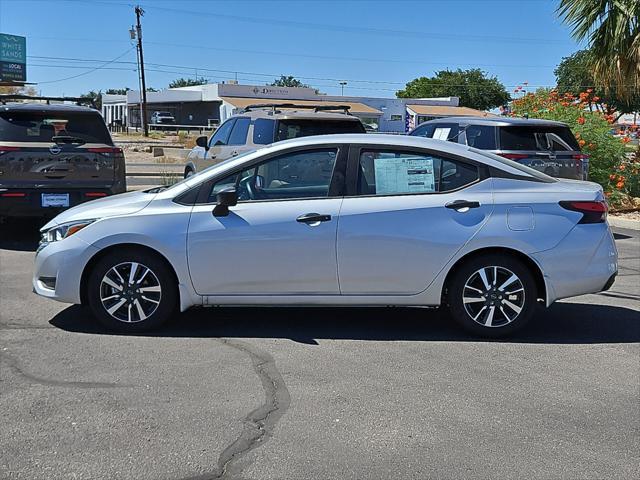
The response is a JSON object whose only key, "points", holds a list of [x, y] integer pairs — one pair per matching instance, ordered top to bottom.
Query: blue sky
{"points": [[376, 46]]}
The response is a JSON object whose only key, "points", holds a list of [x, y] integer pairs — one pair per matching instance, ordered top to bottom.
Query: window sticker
{"points": [[441, 133], [404, 175]]}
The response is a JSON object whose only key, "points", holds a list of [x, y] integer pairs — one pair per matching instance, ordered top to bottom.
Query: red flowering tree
{"points": [[608, 165]]}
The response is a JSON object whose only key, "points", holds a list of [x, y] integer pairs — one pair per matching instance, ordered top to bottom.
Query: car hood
{"points": [[122, 204]]}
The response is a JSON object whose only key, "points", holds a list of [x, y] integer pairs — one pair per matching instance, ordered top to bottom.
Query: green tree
{"points": [[612, 29], [574, 74], [287, 81], [188, 82], [474, 88], [117, 91], [96, 96]]}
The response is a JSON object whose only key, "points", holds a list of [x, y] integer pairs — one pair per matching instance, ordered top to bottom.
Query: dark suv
{"points": [[549, 147], [53, 157]]}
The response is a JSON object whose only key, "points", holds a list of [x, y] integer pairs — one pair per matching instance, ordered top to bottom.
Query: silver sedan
{"points": [[349, 220]]}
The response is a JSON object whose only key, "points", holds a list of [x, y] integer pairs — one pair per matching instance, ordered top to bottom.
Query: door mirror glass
{"points": [[202, 142], [225, 198]]}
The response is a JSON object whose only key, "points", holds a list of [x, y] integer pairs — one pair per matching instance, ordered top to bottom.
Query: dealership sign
{"points": [[13, 58]]}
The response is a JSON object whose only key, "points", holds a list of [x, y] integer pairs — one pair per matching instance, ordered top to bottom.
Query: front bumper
{"points": [[585, 261], [60, 265]]}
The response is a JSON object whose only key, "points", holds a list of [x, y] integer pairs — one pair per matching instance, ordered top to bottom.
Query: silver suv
{"points": [[260, 125], [547, 146]]}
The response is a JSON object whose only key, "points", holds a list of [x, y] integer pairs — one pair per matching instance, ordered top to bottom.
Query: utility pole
{"points": [[143, 93]]}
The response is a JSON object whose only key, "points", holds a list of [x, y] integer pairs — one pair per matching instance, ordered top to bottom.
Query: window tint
{"points": [[41, 127], [304, 128], [425, 130], [263, 131], [222, 133], [239, 133], [481, 136], [540, 138], [397, 173], [303, 174]]}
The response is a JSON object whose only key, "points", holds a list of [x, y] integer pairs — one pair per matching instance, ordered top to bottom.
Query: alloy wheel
{"points": [[130, 292], [493, 296]]}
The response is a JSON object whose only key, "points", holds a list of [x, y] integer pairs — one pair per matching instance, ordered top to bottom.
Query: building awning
{"points": [[356, 107], [446, 111]]}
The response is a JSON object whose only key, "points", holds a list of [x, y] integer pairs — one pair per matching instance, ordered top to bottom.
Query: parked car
{"points": [[163, 118], [260, 125], [549, 147], [53, 157], [337, 220]]}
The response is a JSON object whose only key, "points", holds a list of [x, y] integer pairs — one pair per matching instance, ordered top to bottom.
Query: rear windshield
{"points": [[164, 114], [41, 127], [303, 128], [537, 138], [515, 165]]}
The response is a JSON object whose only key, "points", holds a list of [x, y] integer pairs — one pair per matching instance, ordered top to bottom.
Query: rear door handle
{"points": [[234, 154], [460, 204], [313, 218]]}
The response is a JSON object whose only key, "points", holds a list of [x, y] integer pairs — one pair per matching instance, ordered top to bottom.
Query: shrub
{"points": [[592, 129]]}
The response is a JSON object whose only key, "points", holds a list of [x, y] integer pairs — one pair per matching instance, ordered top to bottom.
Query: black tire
{"points": [[188, 172], [492, 307], [144, 308]]}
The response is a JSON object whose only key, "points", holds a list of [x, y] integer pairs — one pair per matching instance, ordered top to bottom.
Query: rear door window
{"points": [[49, 127], [303, 128], [263, 131], [239, 132], [481, 136], [537, 138], [399, 172]]}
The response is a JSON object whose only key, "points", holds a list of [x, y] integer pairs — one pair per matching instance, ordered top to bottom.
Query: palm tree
{"points": [[612, 28]]}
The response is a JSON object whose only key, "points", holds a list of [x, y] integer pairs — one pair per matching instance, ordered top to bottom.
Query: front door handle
{"points": [[460, 204], [309, 218]]}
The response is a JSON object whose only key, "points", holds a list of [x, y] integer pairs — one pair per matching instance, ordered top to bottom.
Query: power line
{"points": [[88, 71]]}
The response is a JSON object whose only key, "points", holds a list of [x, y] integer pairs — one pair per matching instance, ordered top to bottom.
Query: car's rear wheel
{"points": [[132, 291], [492, 295]]}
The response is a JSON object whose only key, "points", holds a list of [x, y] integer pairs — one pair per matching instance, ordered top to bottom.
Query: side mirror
{"points": [[202, 142], [225, 198]]}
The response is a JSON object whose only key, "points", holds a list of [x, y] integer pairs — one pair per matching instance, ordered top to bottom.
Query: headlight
{"points": [[60, 232]]}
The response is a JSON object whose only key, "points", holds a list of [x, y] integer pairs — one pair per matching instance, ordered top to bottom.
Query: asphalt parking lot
{"points": [[317, 393]]}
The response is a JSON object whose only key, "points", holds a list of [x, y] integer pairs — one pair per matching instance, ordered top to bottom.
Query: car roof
{"points": [[45, 107], [496, 121], [372, 139]]}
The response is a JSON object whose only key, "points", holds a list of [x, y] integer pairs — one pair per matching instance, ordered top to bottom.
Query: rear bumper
{"points": [[27, 202], [585, 261]]}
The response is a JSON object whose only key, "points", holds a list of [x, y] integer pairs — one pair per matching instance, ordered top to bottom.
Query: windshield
{"points": [[42, 127], [304, 128], [518, 166], [206, 170]]}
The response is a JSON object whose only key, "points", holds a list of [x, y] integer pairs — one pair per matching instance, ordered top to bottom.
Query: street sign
{"points": [[13, 58]]}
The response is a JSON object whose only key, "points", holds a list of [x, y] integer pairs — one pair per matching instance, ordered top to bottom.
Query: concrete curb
{"points": [[623, 223]]}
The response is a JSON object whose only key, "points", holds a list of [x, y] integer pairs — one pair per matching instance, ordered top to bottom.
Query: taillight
{"points": [[8, 149], [114, 150], [514, 156], [581, 159], [13, 194], [95, 194], [592, 212]]}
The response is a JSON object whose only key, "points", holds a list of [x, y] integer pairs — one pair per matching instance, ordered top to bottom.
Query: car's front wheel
{"points": [[131, 291], [492, 295]]}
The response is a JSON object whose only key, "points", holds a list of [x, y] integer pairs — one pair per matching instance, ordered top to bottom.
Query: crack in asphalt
{"points": [[13, 365], [260, 422]]}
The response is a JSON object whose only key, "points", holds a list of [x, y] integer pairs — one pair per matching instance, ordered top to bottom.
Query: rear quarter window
{"points": [[42, 126]]}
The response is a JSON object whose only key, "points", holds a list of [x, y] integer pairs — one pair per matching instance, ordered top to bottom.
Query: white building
{"points": [[213, 103]]}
